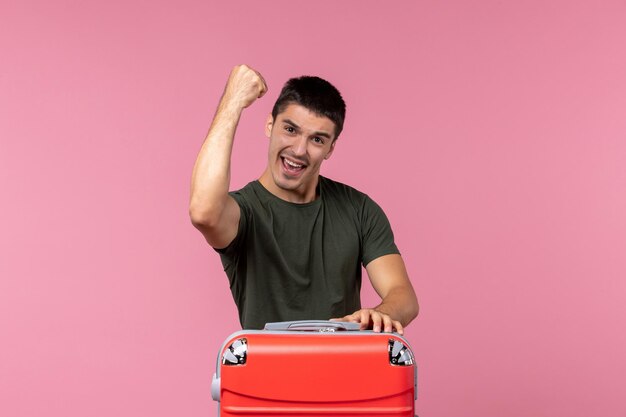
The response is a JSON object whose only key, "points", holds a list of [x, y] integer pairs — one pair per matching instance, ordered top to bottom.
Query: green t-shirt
{"points": [[302, 261]]}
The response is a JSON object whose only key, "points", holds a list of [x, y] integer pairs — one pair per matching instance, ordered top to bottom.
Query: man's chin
{"points": [[288, 185]]}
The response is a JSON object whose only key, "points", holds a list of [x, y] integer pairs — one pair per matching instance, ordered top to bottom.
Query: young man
{"points": [[293, 242]]}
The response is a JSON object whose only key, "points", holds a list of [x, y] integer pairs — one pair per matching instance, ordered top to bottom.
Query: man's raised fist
{"points": [[244, 86]]}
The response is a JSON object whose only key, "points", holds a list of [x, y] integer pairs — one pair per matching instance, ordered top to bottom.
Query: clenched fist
{"points": [[244, 86]]}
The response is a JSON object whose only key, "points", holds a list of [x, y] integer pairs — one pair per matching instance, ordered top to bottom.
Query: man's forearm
{"points": [[211, 173], [400, 304]]}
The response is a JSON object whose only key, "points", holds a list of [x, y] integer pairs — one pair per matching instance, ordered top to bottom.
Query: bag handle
{"points": [[313, 325]]}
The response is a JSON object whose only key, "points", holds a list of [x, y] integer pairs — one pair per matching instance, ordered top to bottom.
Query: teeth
{"points": [[293, 164]]}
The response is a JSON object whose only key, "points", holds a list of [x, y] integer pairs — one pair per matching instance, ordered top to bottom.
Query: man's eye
{"points": [[290, 129], [319, 140]]}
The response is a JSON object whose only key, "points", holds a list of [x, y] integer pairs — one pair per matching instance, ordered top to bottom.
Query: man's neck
{"points": [[301, 195]]}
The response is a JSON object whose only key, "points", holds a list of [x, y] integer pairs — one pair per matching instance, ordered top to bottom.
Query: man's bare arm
{"points": [[211, 209], [399, 305]]}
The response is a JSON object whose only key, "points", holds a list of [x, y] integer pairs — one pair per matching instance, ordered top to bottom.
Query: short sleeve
{"points": [[377, 236], [230, 253]]}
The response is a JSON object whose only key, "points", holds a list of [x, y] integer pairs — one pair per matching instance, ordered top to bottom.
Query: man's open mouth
{"points": [[292, 166]]}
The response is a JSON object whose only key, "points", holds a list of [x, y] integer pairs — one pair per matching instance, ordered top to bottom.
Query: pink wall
{"points": [[493, 133]]}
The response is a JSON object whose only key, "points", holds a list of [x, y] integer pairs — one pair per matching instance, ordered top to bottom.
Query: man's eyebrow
{"points": [[289, 122], [316, 133], [322, 133]]}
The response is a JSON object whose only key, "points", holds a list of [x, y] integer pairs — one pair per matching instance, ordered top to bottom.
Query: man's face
{"points": [[300, 141]]}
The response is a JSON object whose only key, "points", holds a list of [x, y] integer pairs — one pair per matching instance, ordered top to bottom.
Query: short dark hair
{"points": [[317, 95]]}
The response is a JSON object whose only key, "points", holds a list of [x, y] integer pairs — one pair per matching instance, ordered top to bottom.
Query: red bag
{"points": [[315, 368]]}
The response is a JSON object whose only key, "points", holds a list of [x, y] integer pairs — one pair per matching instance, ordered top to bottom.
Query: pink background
{"points": [[493, 133]]}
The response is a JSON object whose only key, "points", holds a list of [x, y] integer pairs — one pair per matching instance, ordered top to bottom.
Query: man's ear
{"points": [[268, 125], [332, 148]]}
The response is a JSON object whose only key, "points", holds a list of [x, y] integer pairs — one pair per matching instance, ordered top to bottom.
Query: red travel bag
{"points": [[315, 368]]}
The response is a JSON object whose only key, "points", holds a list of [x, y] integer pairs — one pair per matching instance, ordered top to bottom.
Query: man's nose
{"points": [[299, 147]]}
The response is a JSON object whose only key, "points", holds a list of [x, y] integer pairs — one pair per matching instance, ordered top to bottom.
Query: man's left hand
{"points": [[370, 318]]}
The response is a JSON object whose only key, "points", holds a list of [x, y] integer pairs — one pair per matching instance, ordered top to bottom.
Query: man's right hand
{"points": [[244, 86]]}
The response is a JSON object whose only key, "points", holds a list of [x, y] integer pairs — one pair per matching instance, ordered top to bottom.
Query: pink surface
{"points": [[493, 133]]}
